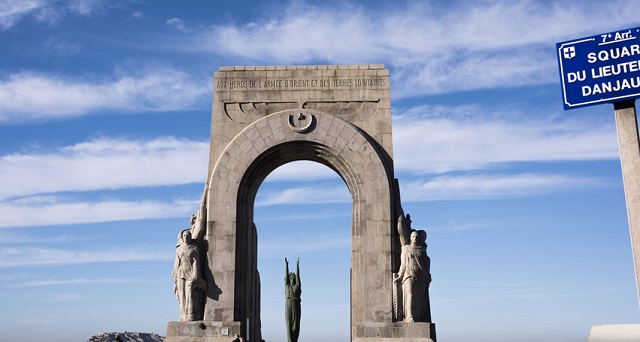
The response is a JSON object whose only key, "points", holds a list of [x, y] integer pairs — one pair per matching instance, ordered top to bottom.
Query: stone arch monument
{"points": [[264, 117]]}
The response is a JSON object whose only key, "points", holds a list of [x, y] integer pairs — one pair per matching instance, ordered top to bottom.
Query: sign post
{"points": [[606, 69], [627, 126]]}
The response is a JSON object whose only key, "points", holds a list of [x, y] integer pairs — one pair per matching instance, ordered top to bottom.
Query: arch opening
{"points": [[310, 219]]}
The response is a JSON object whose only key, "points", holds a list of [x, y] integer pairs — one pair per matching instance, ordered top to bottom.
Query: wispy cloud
{"points": [[12, 11], [47, 11], [178, 24], [59, 47], [433, 48], [29, 96], [468, 138], [104, 163], [301, 171], [492, 186], [311, 194], [54, 212], [297, 216], [14, 239], [309, 243], [25, 256], [78, 281]]}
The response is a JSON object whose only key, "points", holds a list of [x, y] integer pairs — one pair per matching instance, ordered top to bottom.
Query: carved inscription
{"points": [[300, 83]]}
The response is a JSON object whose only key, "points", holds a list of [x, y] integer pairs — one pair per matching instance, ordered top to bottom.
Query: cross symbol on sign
{"points": [[569, 52]]}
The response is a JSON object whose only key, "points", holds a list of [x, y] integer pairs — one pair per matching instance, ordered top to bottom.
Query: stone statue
{"points": [[414, 273], [187, 277], [292, 291]]}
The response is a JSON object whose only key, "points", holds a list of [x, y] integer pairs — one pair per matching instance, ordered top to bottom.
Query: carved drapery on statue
{"points": [[413, 277], [189, 285]]}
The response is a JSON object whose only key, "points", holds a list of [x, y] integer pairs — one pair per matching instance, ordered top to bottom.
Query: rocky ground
{"points": [[126, 337]]}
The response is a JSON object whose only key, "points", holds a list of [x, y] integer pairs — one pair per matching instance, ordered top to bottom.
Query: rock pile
{"points": [[126, 337]]}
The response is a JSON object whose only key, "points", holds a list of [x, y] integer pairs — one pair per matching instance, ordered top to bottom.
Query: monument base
{"points": [[202, 331], [397, 331]]}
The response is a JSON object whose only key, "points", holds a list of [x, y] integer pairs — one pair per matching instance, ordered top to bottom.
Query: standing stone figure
{"points": [[414, 274], [187, 277], [292, 291]]}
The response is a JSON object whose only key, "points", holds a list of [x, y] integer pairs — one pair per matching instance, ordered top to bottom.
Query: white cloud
{"points": [[88, 7], [12, 11], [46, 11], [178, 23], [59, 47], [432, 48], [30, 96], [442, 139], [104, 164], [301, 171], [492, 186], [309, 194], [34, 213], [304, 216], [22, 238], [303, 244], [25, 256], [79, 281]]}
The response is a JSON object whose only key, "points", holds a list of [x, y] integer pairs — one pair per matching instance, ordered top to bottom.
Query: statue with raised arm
{"points": [[414, 273], [187, 278], [292, 291]]}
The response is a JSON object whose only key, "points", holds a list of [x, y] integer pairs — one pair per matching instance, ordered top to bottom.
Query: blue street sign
{"points": [[600, 69]]}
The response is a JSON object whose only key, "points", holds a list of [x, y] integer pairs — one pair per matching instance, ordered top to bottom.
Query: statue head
{"points": [[185, 236], [418, 237], [414, 238], [292, 278]]}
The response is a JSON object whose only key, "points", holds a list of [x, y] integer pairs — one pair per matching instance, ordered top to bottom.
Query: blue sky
{"points": [[104, 134]]}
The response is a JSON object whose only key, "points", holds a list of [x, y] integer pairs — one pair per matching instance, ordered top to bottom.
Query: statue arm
{"points": [[199, 227], [403, 231], [298, 271], [286, 272]]}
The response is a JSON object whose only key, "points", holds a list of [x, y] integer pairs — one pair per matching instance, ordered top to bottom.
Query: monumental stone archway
{"points": [[264, 117]]}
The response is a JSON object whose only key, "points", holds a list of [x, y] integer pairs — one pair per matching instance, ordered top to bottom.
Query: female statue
{"points": [[414, 273], [187, 278], [292, 291]]}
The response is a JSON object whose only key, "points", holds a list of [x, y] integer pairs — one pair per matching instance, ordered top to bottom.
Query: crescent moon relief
{"points": [[301, 122]]}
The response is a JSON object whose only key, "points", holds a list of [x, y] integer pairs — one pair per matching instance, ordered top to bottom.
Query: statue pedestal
{"points": [[202, 331], [396, 332]]}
